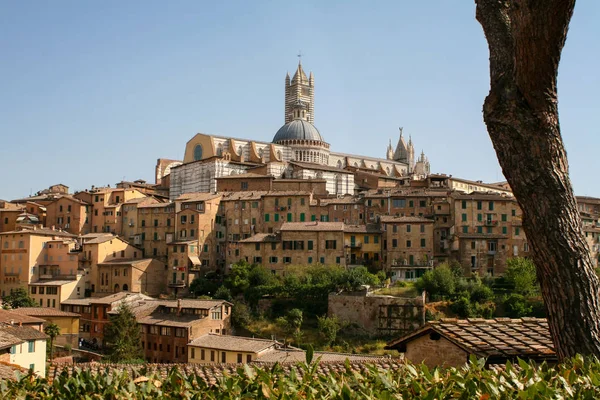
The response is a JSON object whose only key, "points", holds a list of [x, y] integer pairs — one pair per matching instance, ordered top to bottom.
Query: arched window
{"points": [[220, 149], [198, 152], [339, 164], [116, 287], [125, 287]]}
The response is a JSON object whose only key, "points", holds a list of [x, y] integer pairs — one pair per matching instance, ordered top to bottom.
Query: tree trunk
{"points": [[525, 39]]}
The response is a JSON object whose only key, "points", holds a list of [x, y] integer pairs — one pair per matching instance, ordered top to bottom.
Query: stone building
{"points": [[298, 150], [70, 214], [155, 228], [407, 246], [146, 275], [67, 322], [450, 342]]}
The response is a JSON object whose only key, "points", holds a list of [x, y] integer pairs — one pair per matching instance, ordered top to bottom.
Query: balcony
{"points": [[489, 222], [177, 284]]}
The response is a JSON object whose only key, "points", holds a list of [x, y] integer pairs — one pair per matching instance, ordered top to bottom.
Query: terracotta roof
{"points": [[320, 167], [248, 175], [280, 193], [249, 195], [197, 196], [483, 196], [343, 200], [155, 205], [391, 219], [312, 226], [368, 228], [41, 232], [481, 236], [260, 237], [100, 239], [125, 261], [44, 312], [11, 315], [22, 332], [500, 337], [7, 340], [232, 343], [297, 355], [11, 371]]}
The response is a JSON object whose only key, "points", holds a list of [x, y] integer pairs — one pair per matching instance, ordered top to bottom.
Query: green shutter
{"points": [[302, 217]]}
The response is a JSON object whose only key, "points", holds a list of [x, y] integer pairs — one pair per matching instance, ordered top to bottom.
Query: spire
{"points": [[390, 151], [401, 153]]}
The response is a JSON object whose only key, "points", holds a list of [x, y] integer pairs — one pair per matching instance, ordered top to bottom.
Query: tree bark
{"points": [[525, 39]]}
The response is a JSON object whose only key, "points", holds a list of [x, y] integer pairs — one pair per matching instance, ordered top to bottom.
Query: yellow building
{"points": [[107, 204], [70, 214], [156, 225], [363, 245], [27, 256], [147, 276], [67, 322], [212, 348]]}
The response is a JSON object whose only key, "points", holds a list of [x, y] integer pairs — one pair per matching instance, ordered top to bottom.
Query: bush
{"points": [[521, 276], [439, 283], [223, 293], [481, 294], [517, 306], [463, 308], [240, 315]]}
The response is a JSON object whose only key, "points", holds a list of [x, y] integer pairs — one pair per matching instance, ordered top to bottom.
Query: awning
{"points": [[195, 260]]}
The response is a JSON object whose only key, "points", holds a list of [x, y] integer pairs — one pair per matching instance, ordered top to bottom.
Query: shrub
{"points": [[521, 276], [441, 282], [481, 294], [517, 306], [463, 308]]}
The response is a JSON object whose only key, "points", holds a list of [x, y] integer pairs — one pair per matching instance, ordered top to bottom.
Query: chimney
{"points": [[53, 228], [178, 307], [12, 321]]}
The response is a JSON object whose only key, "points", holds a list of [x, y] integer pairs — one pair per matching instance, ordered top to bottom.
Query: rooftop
{"points": [[248, 175], [391, 219], [312, 226], [260, 238], [43, 312], [15, 317], [21, 332], [500, 337], [233, 343]]}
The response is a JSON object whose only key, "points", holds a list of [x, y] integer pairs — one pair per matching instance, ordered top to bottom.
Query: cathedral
{"points": [[298, 151]]}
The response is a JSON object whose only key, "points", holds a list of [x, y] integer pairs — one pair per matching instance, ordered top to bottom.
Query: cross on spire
{"points": [[299, 55]]}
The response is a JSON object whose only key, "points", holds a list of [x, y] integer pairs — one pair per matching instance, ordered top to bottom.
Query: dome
{"points": [[298, 129]]}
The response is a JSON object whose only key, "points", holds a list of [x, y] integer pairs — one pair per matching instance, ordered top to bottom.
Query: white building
{"points": [[23, 346]]}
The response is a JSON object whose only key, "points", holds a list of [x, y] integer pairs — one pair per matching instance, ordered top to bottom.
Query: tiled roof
{"points": [[248, 175], [287, 193], [250, 195], [198, 196], [483, 196], [343, 200], [156, 205], [391, 219], [312, 226], [368, 228], [41, 232], [481, 236], [260, 237], [100, 239], [125, 261], [43, 312], [11, 315], [22, 332], [501, 337], [7, 340], [232, 343], [297, 355], [9, 371], [210, 373]]}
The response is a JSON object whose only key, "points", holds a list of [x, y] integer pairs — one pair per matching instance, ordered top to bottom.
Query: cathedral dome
{"points": [[297, 129]]}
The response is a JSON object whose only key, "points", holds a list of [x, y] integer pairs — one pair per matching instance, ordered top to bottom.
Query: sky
{"points": [[92, 93]]}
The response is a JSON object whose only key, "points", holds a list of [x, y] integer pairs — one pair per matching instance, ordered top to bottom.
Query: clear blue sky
{"points": [[94, 92]]}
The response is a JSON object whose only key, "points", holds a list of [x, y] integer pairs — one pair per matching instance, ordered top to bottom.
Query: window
{"points": [[198, 152], [244, 185], [399, 203], [422, 203], [464, 204], [479, 205], [491, 205], [514, 213], [302, 216], [266, 217], [276, 217], [289, 217], [479, 217], [503, 217], [184, 219], [394, 228], [408, 228], [465, 229], [480, 229], [504, 230], [517, 231], [376, 239], [366, 240], [394, 243], [408, 243], [423, 243], [330, 244], [473, 245], [492, 246], [273, 260], [287, 260], [310, 260], [322, 260], [338, 260], [216, 314], [165, 331], [31, 346], [193, 353], [202, 354], [212, 355], [223, 357], [239, 358]]}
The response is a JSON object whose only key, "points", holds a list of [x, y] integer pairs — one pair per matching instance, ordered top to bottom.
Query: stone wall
{"points": [[378, 315], [434, 350]]}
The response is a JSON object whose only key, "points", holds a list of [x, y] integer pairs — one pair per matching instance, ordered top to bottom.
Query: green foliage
{"points": [[359, 276], [521, 276], [439, 283], [205, 285], [223, 293], [481, 294], [19, 298], [517, 306], [463, 308], [240, 314], [328, 328], [52, 330], [122, 336], [578, 378]]}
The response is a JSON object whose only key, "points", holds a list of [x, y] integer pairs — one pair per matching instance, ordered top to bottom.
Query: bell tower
{"points": [[300, 90]]}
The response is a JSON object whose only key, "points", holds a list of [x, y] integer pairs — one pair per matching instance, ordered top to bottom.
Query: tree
{"points": [[525, 40], [520, 274], [439, 282], [223, 293], [19, 298], [328, 328], [52, 330], [122, 337]]}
